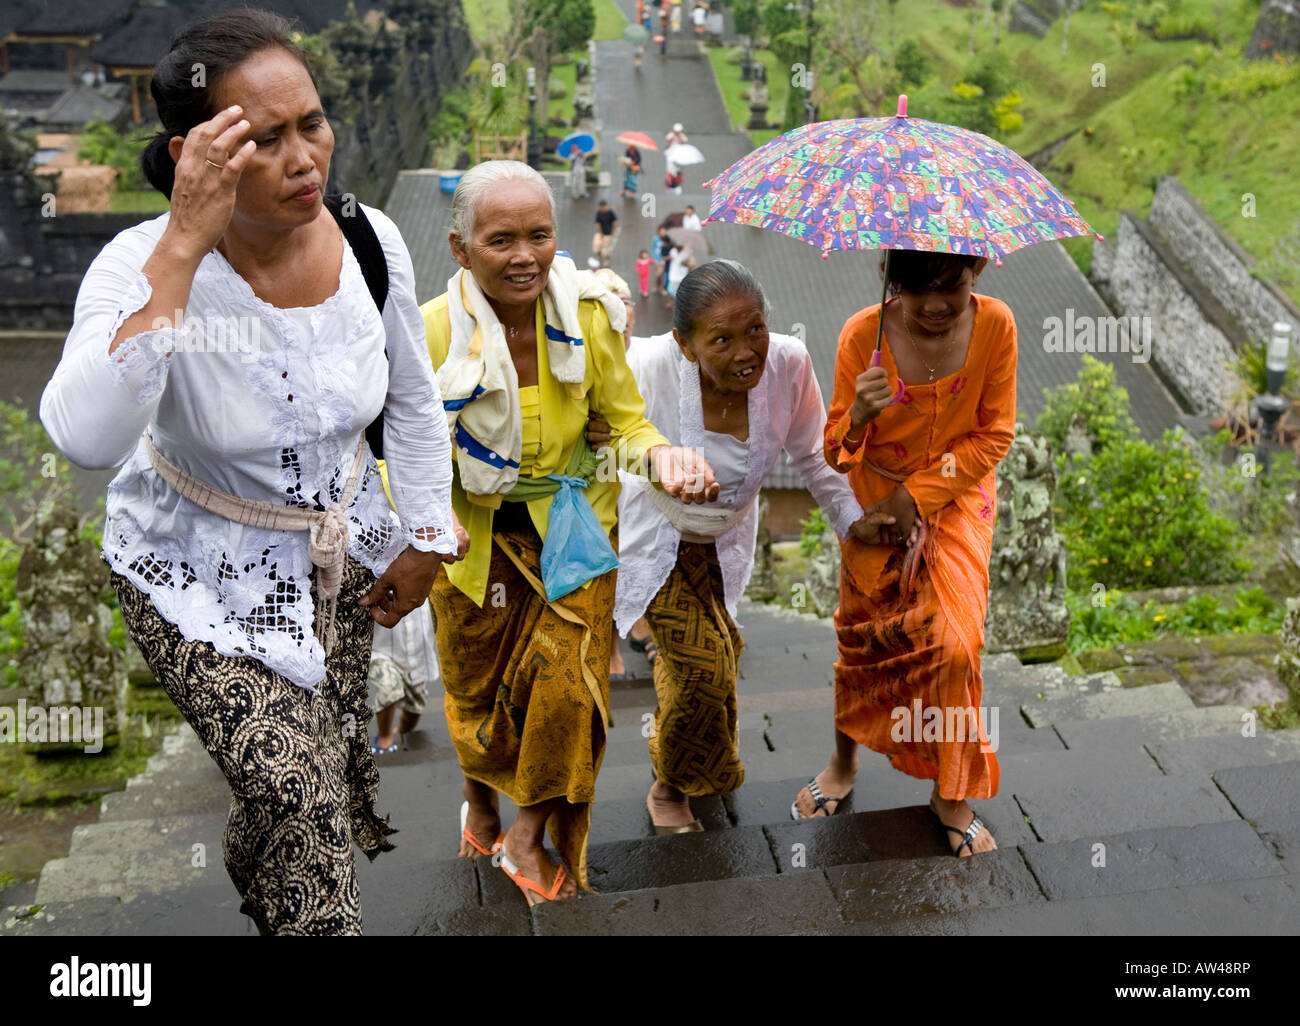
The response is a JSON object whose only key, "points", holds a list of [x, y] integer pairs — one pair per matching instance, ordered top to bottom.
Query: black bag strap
{"points": [[360, 233]]}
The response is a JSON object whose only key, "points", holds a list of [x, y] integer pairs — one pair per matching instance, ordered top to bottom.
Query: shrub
{"points": [[1098, 398], [1138, 515], [814, 526]]}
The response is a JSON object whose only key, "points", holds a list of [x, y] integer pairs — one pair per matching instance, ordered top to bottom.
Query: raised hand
{"points": [[209, 161], [685, 474]]}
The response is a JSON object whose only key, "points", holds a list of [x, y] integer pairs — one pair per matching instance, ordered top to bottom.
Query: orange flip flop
{"points": [[474, 841], [526, 885]]}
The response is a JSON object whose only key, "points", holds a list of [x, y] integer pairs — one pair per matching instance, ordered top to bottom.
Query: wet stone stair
{"points": [[1121, 811]]}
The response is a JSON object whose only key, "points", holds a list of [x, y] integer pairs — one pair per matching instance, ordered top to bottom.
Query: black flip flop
{"points": [[819, 801]]}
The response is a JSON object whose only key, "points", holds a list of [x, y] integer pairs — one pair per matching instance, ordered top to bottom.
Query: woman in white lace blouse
{"points": [[231, 353], [720, 384]]}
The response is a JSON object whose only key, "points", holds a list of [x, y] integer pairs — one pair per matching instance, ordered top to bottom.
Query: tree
{"points": [[745, 17], [554, 28], [911, 63]]}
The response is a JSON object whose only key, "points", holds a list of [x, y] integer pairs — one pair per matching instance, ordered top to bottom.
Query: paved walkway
{"points": [[809, 296]]}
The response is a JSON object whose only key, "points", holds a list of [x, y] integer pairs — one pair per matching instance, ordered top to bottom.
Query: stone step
{"points": [[1154, 699], [1152, 728], [1182, 756], [189, 758], [1107, 790], [178, 796], [1268, 798], [177, 833], [1145, 860], [126, 875], [1262, 907], [210, 911]]}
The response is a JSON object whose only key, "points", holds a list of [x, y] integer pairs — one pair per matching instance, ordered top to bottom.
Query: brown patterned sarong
{"points": [[527, 685], [695, 746], [301, 773]]}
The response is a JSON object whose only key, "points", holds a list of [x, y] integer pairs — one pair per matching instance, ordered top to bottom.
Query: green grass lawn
{"points": [[479, 14], [610, 22], [732, 86], [1141, 128], [148, 201]]}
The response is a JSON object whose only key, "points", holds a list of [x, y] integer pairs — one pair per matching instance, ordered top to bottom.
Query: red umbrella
{"points": [[638, 139]]}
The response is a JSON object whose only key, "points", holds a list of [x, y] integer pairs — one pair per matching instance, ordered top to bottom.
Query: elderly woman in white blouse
{"points": [[232, 354], [719, 383]]}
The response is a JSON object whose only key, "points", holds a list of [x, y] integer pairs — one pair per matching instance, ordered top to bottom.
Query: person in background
{"points": [[699, 15], [631, 161], [578, 175], [691, 220], [602, 242], [660, 246], [680, 263], [644, 267], [403, 666]]}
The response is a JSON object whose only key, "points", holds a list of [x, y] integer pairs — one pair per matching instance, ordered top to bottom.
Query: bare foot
{"points": [[835, 782], [668, 807], [957, 816], [483, 821], [534, 864]]}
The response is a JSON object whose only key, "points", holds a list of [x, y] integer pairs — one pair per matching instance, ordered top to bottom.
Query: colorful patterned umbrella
{"points": [[894, 183]]}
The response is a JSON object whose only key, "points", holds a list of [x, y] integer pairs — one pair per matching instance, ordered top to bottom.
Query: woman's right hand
{"points": [[203, 196], [873, 395]]}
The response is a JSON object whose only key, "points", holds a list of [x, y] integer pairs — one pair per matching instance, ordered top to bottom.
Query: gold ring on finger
{"points": [[213, 163]]}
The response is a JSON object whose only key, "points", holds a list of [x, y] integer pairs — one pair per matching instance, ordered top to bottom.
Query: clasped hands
{"points": [[891, 521], [407, 582]]}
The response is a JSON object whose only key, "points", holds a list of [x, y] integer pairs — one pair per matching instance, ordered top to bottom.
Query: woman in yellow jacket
{"points": [[525, 350]]}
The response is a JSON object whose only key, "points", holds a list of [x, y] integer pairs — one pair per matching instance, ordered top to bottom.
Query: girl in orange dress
{"points": [[919, 437]]}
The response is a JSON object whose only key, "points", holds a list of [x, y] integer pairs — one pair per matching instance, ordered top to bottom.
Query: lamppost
{"points": [[809, 109], [534, 143], [1272, 405]]}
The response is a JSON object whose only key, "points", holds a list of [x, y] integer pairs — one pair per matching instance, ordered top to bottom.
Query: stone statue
{"points": [[758, 99], [762, 582], [1027, 613], [68, 660], [1288, 660]]}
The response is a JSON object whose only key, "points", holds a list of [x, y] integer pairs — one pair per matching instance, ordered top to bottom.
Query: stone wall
{"points": [[1277, 30], [396, 75], [1219, 264], [1181, 269]]}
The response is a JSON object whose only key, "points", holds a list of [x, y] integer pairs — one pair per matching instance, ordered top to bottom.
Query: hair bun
{"points": [[157, 164]]}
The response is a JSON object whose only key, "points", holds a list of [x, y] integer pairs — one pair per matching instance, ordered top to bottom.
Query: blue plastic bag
{"points": [[576, 548]]}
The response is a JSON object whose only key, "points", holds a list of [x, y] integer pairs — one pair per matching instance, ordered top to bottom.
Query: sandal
{"points": [[646, 646], [374, 747], [819, 801], [967, 836], [474, 841], [526, 885]]}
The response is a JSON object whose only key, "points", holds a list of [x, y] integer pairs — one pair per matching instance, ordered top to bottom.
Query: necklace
{"points": [[917, 349]]}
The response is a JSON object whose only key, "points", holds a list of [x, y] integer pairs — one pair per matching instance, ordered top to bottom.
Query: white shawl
{"points": [[480, 389]]}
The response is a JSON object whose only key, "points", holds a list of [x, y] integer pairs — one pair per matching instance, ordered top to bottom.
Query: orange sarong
{"points": [[908, 681]]}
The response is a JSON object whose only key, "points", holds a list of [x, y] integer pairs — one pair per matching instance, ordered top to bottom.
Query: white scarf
{"points": [[480, 389]]}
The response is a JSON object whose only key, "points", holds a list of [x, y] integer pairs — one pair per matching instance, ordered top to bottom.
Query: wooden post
{"points": [[135, 99]]}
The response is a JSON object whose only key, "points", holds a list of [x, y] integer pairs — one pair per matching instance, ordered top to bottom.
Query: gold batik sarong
{"points": [[527, 685], [695, 746]]}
